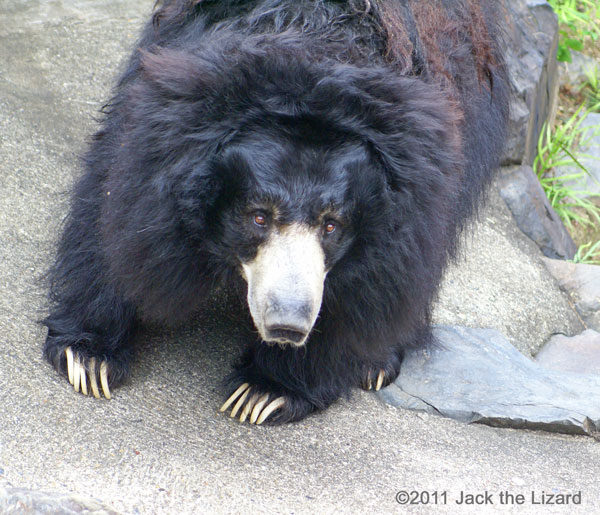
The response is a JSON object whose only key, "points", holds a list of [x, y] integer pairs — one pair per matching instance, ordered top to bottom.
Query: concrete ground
{"points": [[160, 446]]}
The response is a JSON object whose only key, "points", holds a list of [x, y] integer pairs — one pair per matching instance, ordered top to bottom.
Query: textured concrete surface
{"points": [[160, 446]]}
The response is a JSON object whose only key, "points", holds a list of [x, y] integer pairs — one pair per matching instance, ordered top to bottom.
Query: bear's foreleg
{"points": [[90, 326], [91, 348]]}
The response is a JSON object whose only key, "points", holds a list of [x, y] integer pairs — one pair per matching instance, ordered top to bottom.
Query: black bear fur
{"points": [[227, 102]]}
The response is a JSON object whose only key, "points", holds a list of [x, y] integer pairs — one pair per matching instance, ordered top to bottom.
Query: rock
{"points": [[531, 42], [574, 73], [588, 154], [525, 197], [499, 281], [582, 283], [579, 353], [476, 375], [21, 500]]}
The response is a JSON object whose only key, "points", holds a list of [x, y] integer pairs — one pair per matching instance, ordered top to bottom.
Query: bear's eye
{"points": [[260, 219], [330, 227]]}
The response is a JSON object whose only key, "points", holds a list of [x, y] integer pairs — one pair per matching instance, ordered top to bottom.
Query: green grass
{"points": [[579, 22], [579, 30], [591, 89], [558, 148], [588, 254]]}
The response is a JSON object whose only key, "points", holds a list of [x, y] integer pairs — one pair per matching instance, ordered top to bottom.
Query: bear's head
{"points": [[287, 168], [294, 197]]}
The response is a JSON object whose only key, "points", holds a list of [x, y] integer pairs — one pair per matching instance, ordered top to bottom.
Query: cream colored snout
{"points": [[285, 284]]}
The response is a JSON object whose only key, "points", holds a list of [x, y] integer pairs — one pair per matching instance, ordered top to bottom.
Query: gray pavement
{"points": [[160, 446]]}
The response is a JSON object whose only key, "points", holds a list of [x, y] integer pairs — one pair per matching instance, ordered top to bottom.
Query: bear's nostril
{"points": [[287, 321], [285, 334]]}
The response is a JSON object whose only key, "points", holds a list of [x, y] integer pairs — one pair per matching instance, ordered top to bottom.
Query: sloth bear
{"points": [[320, 157]]}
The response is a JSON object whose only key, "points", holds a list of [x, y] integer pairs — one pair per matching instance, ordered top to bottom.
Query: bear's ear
{"points": [[176, 72], [412, 128]]}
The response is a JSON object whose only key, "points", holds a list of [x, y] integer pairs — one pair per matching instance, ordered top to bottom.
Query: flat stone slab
{"points": [[579, 353], [476, 375]]}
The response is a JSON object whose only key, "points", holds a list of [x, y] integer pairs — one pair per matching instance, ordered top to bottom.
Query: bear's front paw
{"points": [[79, 368], [377, 378], [374, 380], [253, 403], [266, 403]]}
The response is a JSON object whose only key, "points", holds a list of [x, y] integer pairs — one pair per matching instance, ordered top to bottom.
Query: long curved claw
{"points": [[69, 353], [76, 372], [83, 379], [93, 379], [104, 379], [375, 379], [380, 379], [234, 396], [239, 403], [249, 405], [252, 405], [271, 407], [258, 408]]}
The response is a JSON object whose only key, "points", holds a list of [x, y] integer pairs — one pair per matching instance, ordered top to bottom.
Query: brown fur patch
{"points": [[433, 24], [437, 30], [399, 46], [482, 49]]}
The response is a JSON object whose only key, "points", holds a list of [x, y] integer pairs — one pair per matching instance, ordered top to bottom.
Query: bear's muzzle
{"points": [[285, 284]]}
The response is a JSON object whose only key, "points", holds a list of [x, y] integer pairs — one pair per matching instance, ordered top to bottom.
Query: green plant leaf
{"points": [[574, 44], [563, 54], [588, 253]]}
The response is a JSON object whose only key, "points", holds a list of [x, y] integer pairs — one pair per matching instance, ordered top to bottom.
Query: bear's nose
{"points": [[288, 321]]}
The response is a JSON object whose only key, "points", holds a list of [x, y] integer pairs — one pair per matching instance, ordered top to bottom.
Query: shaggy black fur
{"points": [[389, 115]]}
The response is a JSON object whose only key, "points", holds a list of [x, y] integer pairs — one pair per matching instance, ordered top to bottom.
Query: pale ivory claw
{"points": [[69, 353], [76, 372], [82, 377], [380, 378], [104, 379], [93, 380], [234, 396], [239, 403], [249, 405], [271, 407], [258, 408]]}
